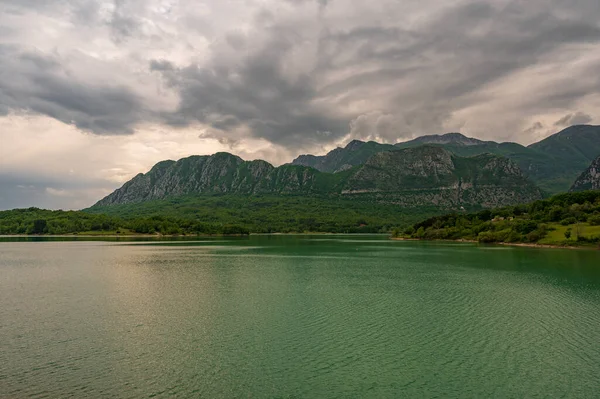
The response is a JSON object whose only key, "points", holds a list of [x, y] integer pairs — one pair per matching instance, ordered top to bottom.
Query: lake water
{"points": [[297, 317]]}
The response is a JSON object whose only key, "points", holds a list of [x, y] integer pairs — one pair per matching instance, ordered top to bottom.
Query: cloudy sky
{"points": [[93, 92]]}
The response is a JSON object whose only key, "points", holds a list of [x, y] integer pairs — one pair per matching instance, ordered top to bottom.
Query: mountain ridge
{"points": [[552, 163], [425, 175]]}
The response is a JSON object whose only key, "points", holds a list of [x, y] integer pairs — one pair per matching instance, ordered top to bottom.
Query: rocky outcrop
{"points": [[221, 173], [430, 175], [589, 179]]}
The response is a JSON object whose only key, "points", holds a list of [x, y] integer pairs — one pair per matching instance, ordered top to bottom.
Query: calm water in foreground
{"points": [[297, 317]]}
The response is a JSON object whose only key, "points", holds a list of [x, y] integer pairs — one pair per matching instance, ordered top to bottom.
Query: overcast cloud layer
{"points": [[94, 92]]}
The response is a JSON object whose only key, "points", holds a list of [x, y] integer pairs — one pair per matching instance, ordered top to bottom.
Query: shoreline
{"points": [[117, 235], [175, 235], [160, 236], [510, 244]]}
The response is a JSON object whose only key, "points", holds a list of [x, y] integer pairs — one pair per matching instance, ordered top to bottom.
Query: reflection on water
{"points": [[297, 316]]}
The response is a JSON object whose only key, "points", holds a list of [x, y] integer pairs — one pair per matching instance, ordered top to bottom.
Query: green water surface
{"points": [[297, 317]]}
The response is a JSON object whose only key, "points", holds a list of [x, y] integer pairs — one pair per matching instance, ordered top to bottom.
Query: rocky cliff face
{"points": [[221, 173], [431, 175], [418, 176], [589, 179]]}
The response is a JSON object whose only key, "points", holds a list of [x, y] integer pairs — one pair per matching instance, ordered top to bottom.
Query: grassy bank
{"points": [[571, 219]]}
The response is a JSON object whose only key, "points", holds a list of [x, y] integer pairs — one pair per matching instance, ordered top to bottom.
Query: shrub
{"points": [[594, 220], [568, 221], [525, 226], [536, 235], [513, 236], [487, 237], [591, 240]]}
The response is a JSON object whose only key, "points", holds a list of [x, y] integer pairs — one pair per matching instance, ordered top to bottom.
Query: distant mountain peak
{"points": [[576, 129], [447, 138], [354, 145], [356, 152]]}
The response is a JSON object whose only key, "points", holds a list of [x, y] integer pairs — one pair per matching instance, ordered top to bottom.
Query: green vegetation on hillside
{"points": [[553, 163], [413, 177], [226, 214], [277, 214], [565, 219], [41, 221]]}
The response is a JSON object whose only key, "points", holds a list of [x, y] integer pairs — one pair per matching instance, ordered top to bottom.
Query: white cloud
{"points": [[61, 161]]}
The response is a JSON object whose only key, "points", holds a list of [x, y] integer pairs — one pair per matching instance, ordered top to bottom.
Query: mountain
{"points": [[442, 139], [579, 144], [573, 148], [355, 153], [553, 163], [538, 166], [221, 173], [433, 175], [412, 177], [589, 179]]}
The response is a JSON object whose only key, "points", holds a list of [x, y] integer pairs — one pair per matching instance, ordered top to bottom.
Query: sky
{"points": [[94, 92]]}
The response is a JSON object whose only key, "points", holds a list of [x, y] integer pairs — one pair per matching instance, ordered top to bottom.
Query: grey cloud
{"points": [[322, 3], [86, 12], [123, 24], [162, 66], [436, 69], [372, 73], [40, 84], [256, 95], [579, 118], [536, 127], [18, 190]]}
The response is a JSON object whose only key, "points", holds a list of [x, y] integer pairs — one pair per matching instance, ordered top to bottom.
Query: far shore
{"points": [[118, 235], [176, 235], [192, 236], [511, 244]]}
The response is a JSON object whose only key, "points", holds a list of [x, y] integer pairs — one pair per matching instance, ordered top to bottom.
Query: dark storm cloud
{"points": [[368, 63], [437, 68], [38, 83], [255, 94]]}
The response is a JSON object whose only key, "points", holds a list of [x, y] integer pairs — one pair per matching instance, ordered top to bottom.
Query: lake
{"points": [[297, 317]]}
